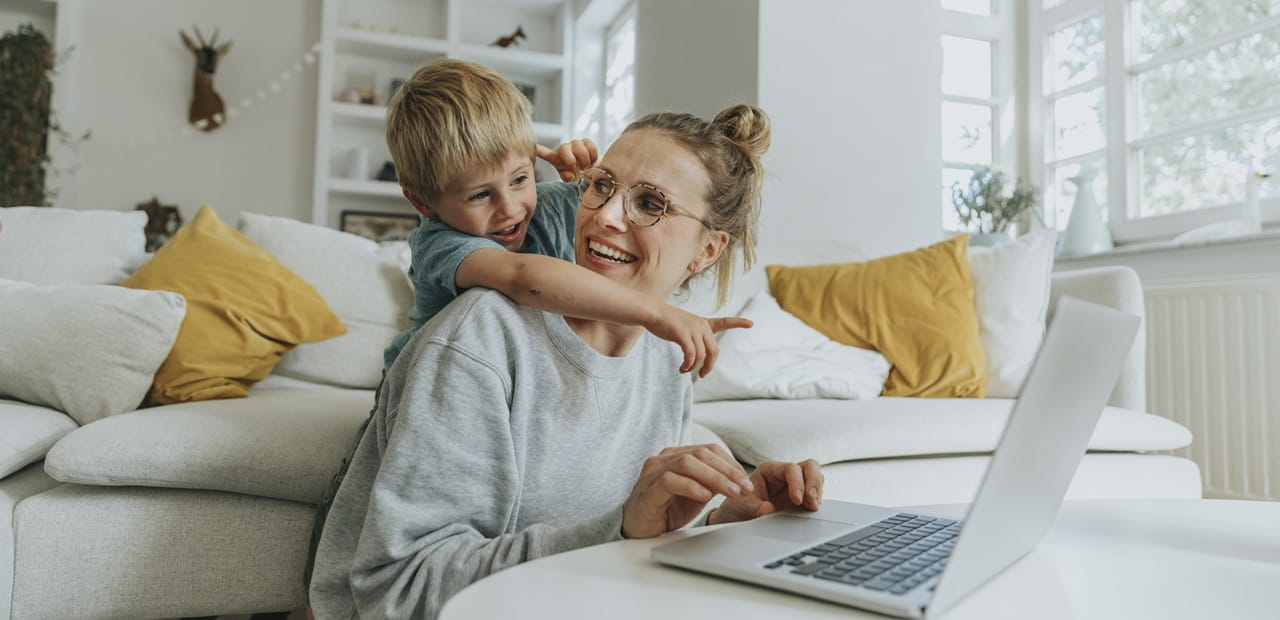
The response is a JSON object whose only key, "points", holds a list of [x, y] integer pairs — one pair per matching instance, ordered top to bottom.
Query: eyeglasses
{"points": [[644, 204]]}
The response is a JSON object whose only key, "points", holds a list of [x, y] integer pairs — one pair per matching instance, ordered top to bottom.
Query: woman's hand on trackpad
{"points": [[676, 484], [777, 486]]}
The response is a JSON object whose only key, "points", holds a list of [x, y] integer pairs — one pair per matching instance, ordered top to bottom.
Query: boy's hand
{"points": [[571, 157], [695, 335]]}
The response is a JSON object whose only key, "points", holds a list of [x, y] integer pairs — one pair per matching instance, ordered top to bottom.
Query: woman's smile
{"points": [[608, 253]]}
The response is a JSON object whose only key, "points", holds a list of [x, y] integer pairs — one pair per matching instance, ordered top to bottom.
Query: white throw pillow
{"points": [[47, 245], [362, 281], [1011, 293], [88, 350], [781, 357]]}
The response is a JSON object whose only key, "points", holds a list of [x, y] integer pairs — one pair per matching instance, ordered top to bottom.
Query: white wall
{"points": [[39, 13], [697, 57], [134, 80], [853, 89]]}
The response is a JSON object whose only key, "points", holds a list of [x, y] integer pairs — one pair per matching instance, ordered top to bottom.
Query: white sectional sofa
{"points": [[205, 508]]}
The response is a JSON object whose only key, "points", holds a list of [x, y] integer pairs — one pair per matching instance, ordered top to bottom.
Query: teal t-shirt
{"points": [[438, 250]]}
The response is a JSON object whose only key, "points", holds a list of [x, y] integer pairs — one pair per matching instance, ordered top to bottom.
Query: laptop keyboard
{"points": [[894, 555]]}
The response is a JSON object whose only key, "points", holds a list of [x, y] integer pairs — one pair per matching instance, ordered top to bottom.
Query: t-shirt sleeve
{"points": [[558, 206], [437, 252], [431, 530]]}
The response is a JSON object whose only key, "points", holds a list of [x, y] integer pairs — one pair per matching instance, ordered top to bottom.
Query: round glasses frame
{"points": [[591, 176]]}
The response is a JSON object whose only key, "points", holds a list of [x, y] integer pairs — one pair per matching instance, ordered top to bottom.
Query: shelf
{"points": [[370, 43], [358, 46], [517, 61], [372, 113], [387, 189]]}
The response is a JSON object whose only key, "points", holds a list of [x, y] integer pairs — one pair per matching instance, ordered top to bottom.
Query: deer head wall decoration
{"points": [[207, 111]]}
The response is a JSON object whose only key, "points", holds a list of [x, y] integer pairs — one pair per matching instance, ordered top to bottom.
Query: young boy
{"points": [[464, 148]]}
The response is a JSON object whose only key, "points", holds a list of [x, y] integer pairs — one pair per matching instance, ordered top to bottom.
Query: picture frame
{"points": [[529, 91], [378, 225]]}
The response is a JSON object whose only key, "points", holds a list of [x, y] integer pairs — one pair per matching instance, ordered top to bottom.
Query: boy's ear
{"points": [[417, 202]]}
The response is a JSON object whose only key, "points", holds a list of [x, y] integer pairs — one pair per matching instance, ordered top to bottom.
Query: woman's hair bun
{"points": [[747, 126]]}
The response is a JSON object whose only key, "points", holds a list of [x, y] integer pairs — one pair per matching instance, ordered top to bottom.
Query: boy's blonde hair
{"points": [[453, 117]]}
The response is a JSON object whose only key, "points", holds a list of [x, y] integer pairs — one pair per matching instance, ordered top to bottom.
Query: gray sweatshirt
{"points": [[499, 437]]}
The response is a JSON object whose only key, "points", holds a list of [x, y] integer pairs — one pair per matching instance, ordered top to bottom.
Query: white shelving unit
{"points": [[390, 39]]}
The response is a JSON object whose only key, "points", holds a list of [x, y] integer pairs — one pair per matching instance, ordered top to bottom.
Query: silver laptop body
{"points": [[1044, 439]]}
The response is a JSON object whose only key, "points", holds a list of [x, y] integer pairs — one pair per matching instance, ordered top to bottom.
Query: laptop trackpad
{"points": [[795, 529]]}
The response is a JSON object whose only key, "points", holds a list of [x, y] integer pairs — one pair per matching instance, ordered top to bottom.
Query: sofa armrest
{"points": [[1120, 288]]}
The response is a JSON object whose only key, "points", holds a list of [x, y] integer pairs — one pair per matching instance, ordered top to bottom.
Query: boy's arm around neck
{"points": [[556, 286], [560, 287]]}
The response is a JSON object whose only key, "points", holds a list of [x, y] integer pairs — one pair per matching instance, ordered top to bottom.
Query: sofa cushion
{"points": [[47, 245], [362, 281], [916, 308], [244, 311], [88, 350], [843, 430], [27, 432], [284, 443], [955, 479]]}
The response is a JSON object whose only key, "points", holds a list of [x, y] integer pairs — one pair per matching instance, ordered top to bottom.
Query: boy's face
{"points": [[496, 203]]}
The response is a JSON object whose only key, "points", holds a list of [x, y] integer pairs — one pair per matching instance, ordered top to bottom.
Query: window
{"points": [[619, 74], [604, 91], [977, 92], [1161, 107], [1075, 143]]}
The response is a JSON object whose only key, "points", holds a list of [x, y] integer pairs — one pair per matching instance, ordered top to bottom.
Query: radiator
{"points": [[1213, 365]]}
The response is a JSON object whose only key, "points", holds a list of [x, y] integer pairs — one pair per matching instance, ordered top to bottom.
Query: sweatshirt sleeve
{"points": [[448, 490]]}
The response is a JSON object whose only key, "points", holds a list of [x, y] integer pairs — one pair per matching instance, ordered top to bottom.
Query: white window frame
{"points": [[1001, 31], [1119, 77]]}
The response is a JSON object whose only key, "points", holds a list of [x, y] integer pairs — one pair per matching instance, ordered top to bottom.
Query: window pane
{"points": [[1049, 4], [977, 7], [1166, 24], [621, 51], [1076, 53], [966, 67], [1232, 78], [619, 108], [1078, 124], [966, 133], [1207, 170], [950, 177], [1061, 196]]}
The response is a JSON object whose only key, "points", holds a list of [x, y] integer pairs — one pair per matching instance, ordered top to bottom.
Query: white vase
{"points": [[1087, 232]]}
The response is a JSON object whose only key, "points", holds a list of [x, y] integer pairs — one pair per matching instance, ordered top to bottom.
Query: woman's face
{"points": [[656, 259]]}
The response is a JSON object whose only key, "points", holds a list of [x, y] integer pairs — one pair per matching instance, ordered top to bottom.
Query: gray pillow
{"points": [[48, 245], [88, 350]]}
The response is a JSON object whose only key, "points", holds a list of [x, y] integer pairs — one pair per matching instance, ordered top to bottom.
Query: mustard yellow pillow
{"points": [[915, 308], [244, 311]]}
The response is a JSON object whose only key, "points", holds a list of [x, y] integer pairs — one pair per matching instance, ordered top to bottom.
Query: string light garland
{"points": [[234, 110]]}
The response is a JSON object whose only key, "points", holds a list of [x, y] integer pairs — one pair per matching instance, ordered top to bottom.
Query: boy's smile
{"points": [[496, 203]]}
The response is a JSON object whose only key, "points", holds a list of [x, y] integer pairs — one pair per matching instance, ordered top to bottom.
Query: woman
{"points": [[506, 434]]}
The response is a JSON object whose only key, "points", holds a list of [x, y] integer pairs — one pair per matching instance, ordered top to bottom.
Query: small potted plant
{"points": [[987, 208]]}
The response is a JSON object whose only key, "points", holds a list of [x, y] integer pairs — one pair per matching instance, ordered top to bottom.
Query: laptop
{"points": [[913, 565]]}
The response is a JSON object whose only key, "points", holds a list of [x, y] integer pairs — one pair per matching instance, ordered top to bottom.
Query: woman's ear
{"points": [[417, 202], [714, 243]]}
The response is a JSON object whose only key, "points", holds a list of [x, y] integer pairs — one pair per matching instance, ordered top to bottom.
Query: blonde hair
{"points": [[453, 117], [730, 148]]}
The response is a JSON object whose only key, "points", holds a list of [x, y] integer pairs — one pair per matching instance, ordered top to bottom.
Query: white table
{"points": [[1165, 559]]}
